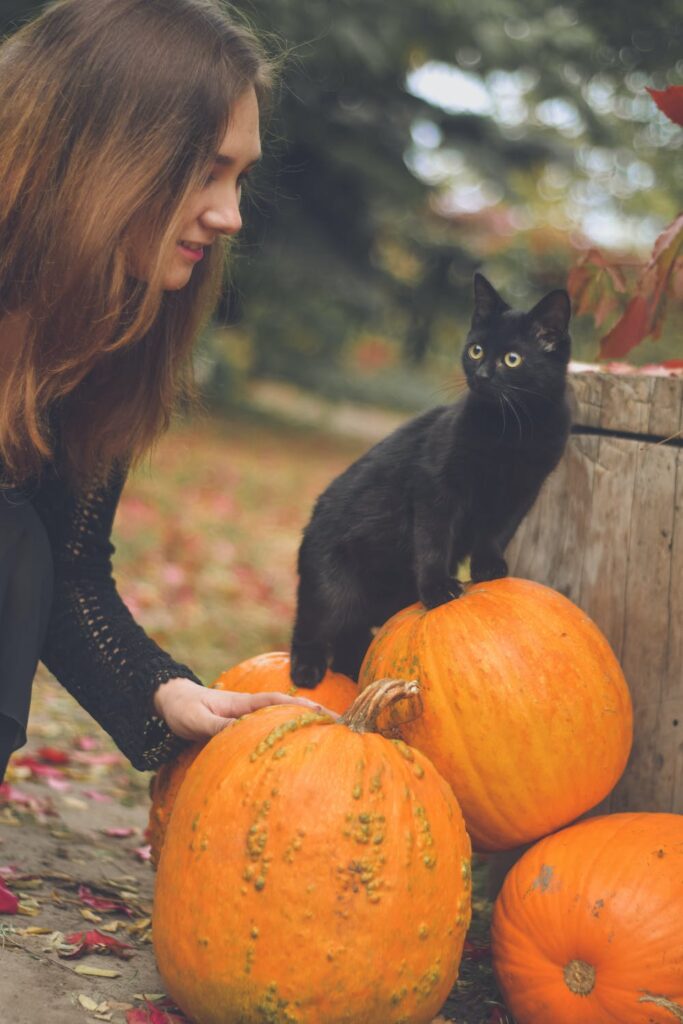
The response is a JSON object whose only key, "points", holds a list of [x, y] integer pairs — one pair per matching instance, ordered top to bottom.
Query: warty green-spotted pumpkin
{"points": [[263, 674], [526, 711], [312, 872], [587, 927]]}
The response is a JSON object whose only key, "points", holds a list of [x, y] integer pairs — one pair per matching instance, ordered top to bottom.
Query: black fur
{"points": [[455, 481]]}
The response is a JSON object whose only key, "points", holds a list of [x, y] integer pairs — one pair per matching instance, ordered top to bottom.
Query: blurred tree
{"points": [[398, 123]]}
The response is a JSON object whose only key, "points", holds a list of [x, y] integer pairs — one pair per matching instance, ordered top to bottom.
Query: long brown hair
{"points": [[109, 110]]}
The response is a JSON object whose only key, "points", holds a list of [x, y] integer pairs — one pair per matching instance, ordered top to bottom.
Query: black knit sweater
{"points": [[94, 646]]}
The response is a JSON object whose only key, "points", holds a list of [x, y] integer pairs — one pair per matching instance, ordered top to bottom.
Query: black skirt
{"points": [[26, 581]]}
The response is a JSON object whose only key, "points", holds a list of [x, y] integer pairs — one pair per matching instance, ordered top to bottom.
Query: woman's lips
{"points": [[191, 254]]}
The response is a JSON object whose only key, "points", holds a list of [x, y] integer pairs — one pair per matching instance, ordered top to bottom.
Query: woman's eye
{"points": [[475, 352], [512, 359]]}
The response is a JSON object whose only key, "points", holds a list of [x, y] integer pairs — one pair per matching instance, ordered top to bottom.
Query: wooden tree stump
{"points": [[607, 531]]}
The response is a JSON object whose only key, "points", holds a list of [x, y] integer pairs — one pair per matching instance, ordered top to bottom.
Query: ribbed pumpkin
{"points": [[262, 674], [526, 711], [312, 872], [587, 927]]}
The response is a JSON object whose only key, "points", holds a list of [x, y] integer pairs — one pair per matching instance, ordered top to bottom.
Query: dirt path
{"points": [[53, 842]]}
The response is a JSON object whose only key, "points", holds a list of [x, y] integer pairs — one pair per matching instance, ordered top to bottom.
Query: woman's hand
{"points": [[196, 712]]}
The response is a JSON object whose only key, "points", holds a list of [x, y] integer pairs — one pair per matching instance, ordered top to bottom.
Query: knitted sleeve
{"points": [[94, 647]]}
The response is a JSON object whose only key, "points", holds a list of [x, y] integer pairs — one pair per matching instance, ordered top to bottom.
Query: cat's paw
{"points": [[491, 567], [441, 593], [307, 671]]}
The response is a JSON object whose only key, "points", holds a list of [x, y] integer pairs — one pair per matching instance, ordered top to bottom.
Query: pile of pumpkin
{"points": [[317, 871]]}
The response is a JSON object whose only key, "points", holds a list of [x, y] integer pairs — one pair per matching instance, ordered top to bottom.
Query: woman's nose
{"points": [[225, 218]]}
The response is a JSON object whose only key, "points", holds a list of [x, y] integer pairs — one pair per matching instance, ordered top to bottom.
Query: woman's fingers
{"points": [[237, 704], [197, 712]]}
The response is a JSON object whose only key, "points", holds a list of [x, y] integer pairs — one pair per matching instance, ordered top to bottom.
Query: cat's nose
{"points": [[484, 372]]}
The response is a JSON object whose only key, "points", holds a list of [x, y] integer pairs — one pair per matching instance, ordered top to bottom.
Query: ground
{"points": [[206, 547]]}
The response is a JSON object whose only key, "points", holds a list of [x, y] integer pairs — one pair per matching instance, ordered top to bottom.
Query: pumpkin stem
{"points": [[383, 698], [579, 977], [675, 1008]]}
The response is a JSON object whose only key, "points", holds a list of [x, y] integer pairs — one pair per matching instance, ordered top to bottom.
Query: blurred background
{"points": [[415, 143]]}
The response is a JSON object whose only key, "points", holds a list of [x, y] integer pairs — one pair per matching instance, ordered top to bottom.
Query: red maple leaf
{"points": [[669, 101], [644, 314], [52, 755], [9, 904], [118, 906], [94, 942], [163, 1012]]}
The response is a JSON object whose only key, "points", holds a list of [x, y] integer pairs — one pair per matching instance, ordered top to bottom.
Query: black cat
{"points": [[455, 481]]}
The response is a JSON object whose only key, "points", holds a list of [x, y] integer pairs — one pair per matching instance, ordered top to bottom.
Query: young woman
{"points": [[126, 130]]}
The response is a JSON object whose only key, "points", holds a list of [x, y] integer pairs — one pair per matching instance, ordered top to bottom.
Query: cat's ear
{"points": [[487, 301], [550, 318]]}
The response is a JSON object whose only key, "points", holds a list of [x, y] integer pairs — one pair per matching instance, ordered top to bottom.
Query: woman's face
{"points": [[214, 210]]}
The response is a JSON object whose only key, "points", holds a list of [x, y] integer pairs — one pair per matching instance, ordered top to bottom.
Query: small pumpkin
{"points": [[271, 671], [262, 674], [526, 711], [325, 874], [587, 926]]}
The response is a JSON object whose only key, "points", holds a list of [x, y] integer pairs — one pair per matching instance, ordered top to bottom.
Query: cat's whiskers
{"points": [[454, 387], [534, 394], [510, 403], [519, 406], [502, 409]]}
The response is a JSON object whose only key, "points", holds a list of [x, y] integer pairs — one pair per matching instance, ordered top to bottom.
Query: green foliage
{"points": [[378, 200]]}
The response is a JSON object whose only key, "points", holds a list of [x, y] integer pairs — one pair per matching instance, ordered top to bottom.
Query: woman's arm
{"points": [[94, 646], [148, 703]]}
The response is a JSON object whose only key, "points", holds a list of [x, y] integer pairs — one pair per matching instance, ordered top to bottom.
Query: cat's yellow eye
{"points": [[475, 352], [512, 359]]}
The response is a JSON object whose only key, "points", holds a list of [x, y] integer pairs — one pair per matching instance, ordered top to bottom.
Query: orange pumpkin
{"points": [[271, 672], [262, 674], [526, 711], [312, 871], [587, 926]]}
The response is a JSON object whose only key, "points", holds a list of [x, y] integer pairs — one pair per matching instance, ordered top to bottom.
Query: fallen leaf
{"points": [[87, 743], [51, 755], [37, 768], [61, 785], [94, 794], [12, 795], [76, 803], [119, 833], [143, 853], [86, 895], [9, 903], [29, 909], [88, 915], [110, 926], [140, 926], [81, 943], [472, 951], [96, 972], [87, 1003], [160, 1013]]}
